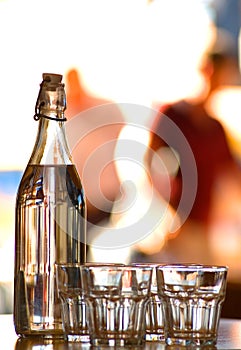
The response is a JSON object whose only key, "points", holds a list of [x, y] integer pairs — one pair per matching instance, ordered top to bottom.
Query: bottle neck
{"points": [[51, 146]]}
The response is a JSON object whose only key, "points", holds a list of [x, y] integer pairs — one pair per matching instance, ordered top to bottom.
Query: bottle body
{"points": [[50, 227]]}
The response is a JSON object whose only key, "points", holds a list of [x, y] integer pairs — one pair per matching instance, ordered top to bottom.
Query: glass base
{"points": [[42, 335], [155, 337], [76, 338], [117, 342], [193, 342]]}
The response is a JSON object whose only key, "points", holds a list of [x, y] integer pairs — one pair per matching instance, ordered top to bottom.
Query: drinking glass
{"points": [[192, 296], [116, 297], [73, 305], [154, 309]]}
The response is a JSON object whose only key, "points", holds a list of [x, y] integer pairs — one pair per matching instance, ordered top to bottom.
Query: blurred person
{"points": [[98, 122], [205, 135], [214, 162]]}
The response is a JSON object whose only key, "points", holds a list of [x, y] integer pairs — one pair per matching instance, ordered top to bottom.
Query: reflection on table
{"points": [[229, 338]]}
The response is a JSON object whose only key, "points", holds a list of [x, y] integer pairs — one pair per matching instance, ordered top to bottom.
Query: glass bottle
{"points": [[50, 223]]}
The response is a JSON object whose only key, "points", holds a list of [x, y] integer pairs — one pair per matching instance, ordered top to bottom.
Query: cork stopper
{"points": [[52, 78], [51, 97]]}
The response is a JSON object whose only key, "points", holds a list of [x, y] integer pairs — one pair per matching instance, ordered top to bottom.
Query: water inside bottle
{"points": [[50, 228]]}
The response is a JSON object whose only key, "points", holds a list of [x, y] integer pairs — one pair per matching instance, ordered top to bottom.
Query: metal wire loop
{"points": [[37, 116]]}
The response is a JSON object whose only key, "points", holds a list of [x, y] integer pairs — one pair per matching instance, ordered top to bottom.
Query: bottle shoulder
{"points": [[56, 181]]}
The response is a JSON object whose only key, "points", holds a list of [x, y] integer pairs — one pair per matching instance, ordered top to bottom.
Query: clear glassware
{"points": [[50, 223]]}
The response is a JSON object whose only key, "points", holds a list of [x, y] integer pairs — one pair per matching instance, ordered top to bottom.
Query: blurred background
{"points": [[122, 53]]}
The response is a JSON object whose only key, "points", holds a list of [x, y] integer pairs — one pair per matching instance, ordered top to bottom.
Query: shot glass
{"points": [[192, 296], [116, 297], [73, 305], [154, 309]]}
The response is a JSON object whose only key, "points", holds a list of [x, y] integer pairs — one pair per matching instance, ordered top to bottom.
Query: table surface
{"points": [[229, 338]]}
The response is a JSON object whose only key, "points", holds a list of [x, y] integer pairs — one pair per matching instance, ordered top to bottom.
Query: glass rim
{"points": [[87, 264], [144, 264], [108, 265], [121, 266], [193, 267]]}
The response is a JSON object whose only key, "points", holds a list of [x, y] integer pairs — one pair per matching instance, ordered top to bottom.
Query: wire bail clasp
{"points": [[39, 104]]}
